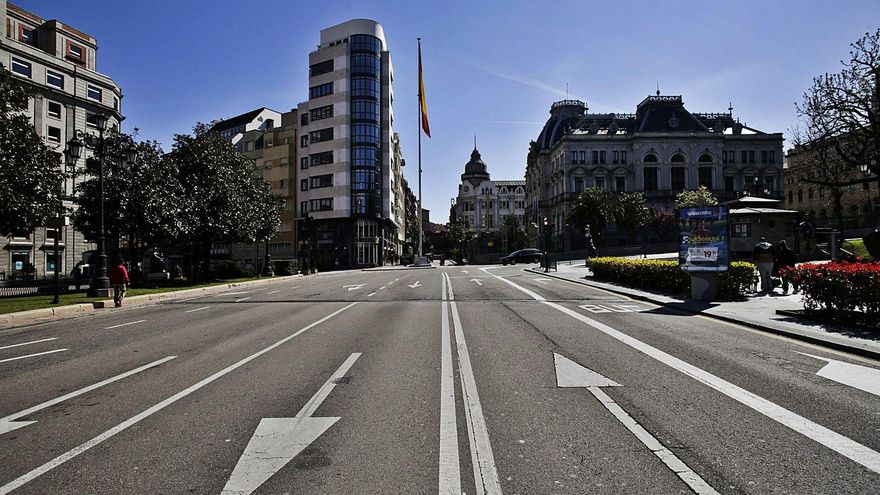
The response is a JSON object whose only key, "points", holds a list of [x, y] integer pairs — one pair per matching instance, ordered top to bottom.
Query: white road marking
{"points": [[464, 271], [477, 281], [544, 281], [417, 284], [294, 287], [353, 287], [383, 287], [273, 292], [234, 293], [371, 294], [243, 299], [610, 308], [197, 309], [125, 324], [28, 343], [32, 355], [573, 375], [854, 375], [8, 423], [277, 441], [839, 443], [70, 454], [450, 471], [485, 472]]}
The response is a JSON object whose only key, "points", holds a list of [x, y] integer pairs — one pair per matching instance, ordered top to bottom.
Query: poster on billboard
{"points": [[705, 243]]}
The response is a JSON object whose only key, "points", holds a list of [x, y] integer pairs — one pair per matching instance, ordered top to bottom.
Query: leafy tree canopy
{"points": [[692, 199]]}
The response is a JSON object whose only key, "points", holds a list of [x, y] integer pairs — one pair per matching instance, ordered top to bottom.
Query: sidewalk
{"points": [[758, 311], [43, 315]]}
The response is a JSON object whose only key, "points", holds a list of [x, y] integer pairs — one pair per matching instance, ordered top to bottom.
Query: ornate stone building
{"points": [[660, 150], [482, 204]]}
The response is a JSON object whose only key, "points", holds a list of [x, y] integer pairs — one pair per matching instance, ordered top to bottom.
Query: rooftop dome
{"points": [[563, 115], [475, 170]]}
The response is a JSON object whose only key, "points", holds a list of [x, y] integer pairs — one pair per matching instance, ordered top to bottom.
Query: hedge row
{"points": [[667, 276], [840, 286]]}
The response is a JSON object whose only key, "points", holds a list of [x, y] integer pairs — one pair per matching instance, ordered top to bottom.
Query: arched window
{"points": [[650, 158], [677, 158], [705, 158], [503, 190], [519, 190], [800, 195]]}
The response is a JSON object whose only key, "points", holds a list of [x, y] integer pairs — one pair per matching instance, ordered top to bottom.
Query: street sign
{"points": [[704, 239]]}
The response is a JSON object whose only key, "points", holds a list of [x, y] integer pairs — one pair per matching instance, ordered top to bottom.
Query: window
{"points": [[26, 35], [75, 52], [21, 67], [321, 68], [54, 79], [321, 90], [95, 93], [115, 103], [53, 110], [324, 112], [91, 119], [304, 119], [54, 134], [321, 135], [303, 141], [270, 143], [249, 146], [763, 156], [772, 156], [574, 157], [582, 157], [595, 157], [601, 157], [615, 157], [623, 157], [744, 157], [751, 157], [321, 158], [650, 158], [677, 158], [705, 158], [283, 162], [304, 163], [267, 164], [650, 176], [706, 177], [677, 178], [321, 181], [600, 182], [284, 183], [728, 183], [578, 184], [620, 184], [304, 185], [810, 193], [800, 195], [790, 197], [323, 204], [505, 205], [303, 208], [742, 230]]}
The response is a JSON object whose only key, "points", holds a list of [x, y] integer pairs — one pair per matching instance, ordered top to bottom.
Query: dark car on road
{"points": [[522, 256]]}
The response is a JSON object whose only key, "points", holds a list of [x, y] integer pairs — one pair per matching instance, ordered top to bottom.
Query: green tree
{"points": [[30, 172], [222, 198], [692, 199], [595, 207], [632, 215], [515, 232]]}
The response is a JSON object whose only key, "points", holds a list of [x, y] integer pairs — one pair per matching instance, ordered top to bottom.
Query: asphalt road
{"points": [[452, 380]]}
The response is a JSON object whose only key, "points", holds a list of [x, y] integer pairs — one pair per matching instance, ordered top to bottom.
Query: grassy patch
{"points": [[859, 248], [26, 303]]}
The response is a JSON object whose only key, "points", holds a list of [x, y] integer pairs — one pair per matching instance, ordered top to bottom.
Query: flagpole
{"points": [[421, 234]]}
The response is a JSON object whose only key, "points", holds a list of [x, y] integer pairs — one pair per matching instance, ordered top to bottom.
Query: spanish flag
{"points": [[423, 107]]}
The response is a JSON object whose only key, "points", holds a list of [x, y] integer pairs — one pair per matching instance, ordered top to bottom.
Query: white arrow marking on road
{"points": [[477, 281], [544, 281], [417, 284], [353, 287], [571, 374], [860, 377], [8, 423], [278, 440]]}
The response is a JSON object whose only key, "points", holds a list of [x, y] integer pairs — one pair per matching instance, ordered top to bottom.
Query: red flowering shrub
{"points": [[839, 286]]}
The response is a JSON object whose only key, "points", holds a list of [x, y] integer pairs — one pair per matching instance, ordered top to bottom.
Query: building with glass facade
{"points": [[349, 172]]}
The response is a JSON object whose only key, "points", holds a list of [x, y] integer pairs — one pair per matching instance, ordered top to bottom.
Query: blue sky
{"points": [[492, 68]]}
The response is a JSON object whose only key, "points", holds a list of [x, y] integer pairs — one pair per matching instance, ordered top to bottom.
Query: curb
{"points": [[379, 269], [14, 320], [861, 351]]}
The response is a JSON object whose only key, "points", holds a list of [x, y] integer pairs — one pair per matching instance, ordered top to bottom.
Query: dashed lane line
{"points": [[125, 324], [28, 343], [32, 355]]}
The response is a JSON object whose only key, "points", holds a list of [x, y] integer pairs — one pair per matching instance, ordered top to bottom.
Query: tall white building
{"points": [[57, 63], [349, 176]]}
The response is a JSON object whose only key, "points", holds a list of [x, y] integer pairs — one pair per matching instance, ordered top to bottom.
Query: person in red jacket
{"points": [[119, 280]]}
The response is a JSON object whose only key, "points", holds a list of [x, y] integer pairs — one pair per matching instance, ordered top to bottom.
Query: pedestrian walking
{"points": [[591, 247], [763, 256], [785, 260], [78, 274], [119, 281]]}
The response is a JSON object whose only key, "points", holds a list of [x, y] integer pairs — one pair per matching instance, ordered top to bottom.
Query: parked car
{"points": [[522, 256], [406, 259]]}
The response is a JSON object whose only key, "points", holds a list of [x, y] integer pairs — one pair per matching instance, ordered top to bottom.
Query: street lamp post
{"points": [[546, 244], [99, 286]]}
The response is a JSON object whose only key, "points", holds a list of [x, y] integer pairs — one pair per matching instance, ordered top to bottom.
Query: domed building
{"points": [[660, 150], [482, 204]]}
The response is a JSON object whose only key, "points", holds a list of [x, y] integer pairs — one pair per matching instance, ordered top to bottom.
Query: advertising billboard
{"points": [[704, 239]]}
